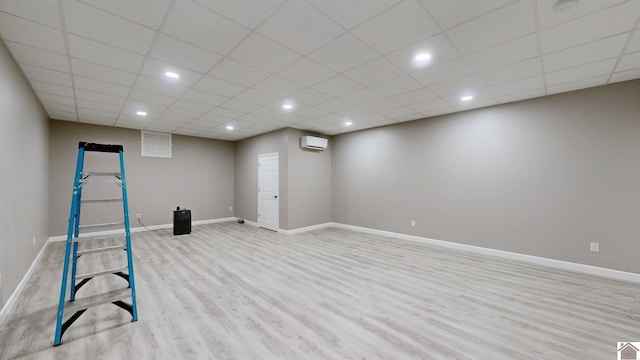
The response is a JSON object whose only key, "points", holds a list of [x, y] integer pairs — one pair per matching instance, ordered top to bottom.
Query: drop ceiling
{"points": [[334, 61]]}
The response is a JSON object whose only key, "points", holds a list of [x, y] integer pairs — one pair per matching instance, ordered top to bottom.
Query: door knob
{"points": [[275, 196]]}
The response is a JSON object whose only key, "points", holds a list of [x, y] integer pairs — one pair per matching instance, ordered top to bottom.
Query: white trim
{"points": [[140, 229], [305, 229], [559, 264], [4, 312]]}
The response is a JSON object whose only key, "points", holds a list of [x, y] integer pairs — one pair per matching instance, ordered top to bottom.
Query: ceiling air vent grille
{"points": [[155, 144]]}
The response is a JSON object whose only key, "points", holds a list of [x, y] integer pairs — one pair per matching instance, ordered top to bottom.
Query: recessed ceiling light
{"points": [[423, 56], [172, 75], [467, 98], [287, 106], [141, 113], [348, 123], [229, 127]]}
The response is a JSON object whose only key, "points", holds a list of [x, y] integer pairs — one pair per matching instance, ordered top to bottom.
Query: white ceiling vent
{"points": [[155, 144]]}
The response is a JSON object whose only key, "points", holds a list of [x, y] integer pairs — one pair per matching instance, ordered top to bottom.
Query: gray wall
{"points": [[199, 176], [543, 177], [23, 178], [305, 179]]}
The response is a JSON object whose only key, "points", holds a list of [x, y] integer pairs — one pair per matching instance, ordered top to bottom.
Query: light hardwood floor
{"points": [[231, 291]]}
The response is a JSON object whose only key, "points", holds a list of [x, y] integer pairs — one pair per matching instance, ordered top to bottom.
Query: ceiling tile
{"points": [[41, 11], [353, 12], [149, 13], [249, 13], [449, 13], [548, 17], [98, 25], [197, 25], [400, 26], [300, 27], [497, 27], [592, 27], [30, 33], [634, 43], [438, 46], [260, 52], [510, 52], [179, 53], [344, 53], [102, 54], [584, 54], [28, 55], [629, 62], [157, 69], [306, 72], [374, 72], [512, 72], [580, 72], [103, 73], [238, 73], [439, 73], [46, 75], [625, 75], [577, 85], [100, 86], [159, 86], [278, 86], [338, 86], [397, 86], [518, 86], [219, 87], [457, 87], [49, 88], [142, 96], [254, 96], [310, 96], [362, 96], [521, 96], [98, 97], [204, 97], [414, 97], [56, 99], [95, 105], [192, 105], [334, 105], [429, 105], [131, 106], [58, 107], [219, 112], [400, 112], [94, 114], [187, 114], [63, 115]]}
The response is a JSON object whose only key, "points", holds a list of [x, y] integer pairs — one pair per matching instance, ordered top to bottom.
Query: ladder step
{"points": [[101, 173], [100, 200], [101, 225], [86, 237], [102, 249], [103, 272], [99, 299]]}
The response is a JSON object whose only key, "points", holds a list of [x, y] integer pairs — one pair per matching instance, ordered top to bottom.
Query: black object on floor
{"points": [[181, 221]]}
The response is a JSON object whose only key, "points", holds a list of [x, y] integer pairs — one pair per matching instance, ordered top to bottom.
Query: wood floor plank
{"points": [[231, 291]]}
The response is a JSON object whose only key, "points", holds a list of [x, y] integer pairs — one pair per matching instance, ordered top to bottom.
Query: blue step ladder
{"points": [[77, 306]]}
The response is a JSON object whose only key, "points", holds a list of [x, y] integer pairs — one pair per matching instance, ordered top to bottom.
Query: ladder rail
{"points": [[71, 247]]}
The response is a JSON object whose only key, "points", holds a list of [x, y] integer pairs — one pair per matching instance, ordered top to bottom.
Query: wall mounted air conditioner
{"points": [[314, 143]]}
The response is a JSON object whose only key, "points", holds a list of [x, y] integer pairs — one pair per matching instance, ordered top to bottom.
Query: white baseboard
{"points": [[141, 228], [305, 229], [559, 264], [4, 312]]}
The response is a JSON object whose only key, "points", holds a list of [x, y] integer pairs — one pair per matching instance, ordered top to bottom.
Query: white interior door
{"points": [[268, 191]]}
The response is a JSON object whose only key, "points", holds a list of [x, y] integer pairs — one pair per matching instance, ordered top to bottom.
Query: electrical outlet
{"points": [[230, 208], [138, 216], [413, 223], [34, 241], [595, 247]]}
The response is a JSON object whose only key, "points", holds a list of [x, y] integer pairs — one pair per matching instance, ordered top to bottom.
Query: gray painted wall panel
{"points": [[199, 176], [543, 177], [23, 179]]}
